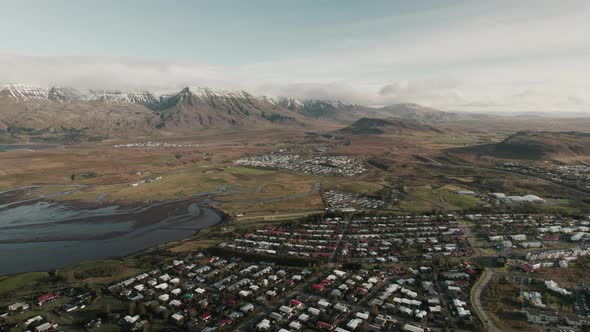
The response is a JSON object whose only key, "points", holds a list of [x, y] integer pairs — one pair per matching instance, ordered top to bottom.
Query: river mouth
{"points": [[38, 234]]}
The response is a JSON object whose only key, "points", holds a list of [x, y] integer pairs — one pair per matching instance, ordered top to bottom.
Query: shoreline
{"points": [[220, 213]]}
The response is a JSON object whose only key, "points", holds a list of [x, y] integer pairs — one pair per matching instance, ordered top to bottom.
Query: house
{"points": [[518, 237], [531, 244], [339, 273], [552, 285], [317, 287], [45, 298], [295, 303], [324, 304], [18, 306], [247, 307], [340, 307], [285, 309], [314, 311], [463, 312], [235, 315], [362, 315], [206, 316], [276, 316], [540, 316], [303, 317], [177, 318], [36, 319], [131, 319], [575, 320], [224, 322], [354, 323], [264, 325], [295, 325], [325, 326], [45, 327], [412, 328]]}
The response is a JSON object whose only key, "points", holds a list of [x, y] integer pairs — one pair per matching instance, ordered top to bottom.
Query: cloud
{"points": [[495, 56], [109, 72], [431, 90]]}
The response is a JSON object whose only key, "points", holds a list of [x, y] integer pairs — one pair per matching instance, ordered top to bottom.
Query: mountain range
{"points": [[29, 113]]}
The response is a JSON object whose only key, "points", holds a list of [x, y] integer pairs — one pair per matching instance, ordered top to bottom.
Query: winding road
{"points": [[487, 321]]}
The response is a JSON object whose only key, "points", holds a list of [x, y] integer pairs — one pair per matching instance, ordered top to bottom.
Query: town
{"points": [[151, 144], [319, 165], [576, 174], [340, 200], [340, 273]]}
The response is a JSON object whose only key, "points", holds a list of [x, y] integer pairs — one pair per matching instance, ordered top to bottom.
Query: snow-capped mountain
{"points": [[21, 93], [24, 93], [63, 95], [116, 96], [293, 104], [205, 107]]}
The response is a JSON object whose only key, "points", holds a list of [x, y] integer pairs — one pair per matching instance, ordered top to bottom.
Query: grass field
{"points": [[428, 198], [34, 282], [10, 283]]}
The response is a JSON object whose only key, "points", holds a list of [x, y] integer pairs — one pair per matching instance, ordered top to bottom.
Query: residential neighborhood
{"points": [[318, 165], [341, 273]]}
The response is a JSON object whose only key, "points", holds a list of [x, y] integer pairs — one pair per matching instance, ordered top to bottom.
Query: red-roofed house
{"points": [[317, 287], [45, 298], [295, 303], [205, 316]]}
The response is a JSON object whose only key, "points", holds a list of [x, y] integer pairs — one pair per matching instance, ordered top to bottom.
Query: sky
{"points": [[458, 55]]}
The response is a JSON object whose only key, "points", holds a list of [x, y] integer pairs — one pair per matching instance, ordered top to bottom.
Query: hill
{"points": [[374, 126], [530, 145]]}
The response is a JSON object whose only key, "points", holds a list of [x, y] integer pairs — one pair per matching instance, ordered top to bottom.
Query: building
{"points": [[540, 316]]}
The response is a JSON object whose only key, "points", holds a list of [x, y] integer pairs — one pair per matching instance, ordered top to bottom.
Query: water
{"points": [[8, 147], [40, 235]]}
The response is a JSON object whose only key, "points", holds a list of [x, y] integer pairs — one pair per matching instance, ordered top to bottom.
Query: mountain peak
{"points": [[207, 93]]}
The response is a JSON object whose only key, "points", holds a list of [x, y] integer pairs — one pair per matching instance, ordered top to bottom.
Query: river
{"points": [[38, 235]]}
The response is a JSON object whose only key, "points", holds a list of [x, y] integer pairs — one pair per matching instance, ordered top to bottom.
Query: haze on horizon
{"points": [[453, 55]]}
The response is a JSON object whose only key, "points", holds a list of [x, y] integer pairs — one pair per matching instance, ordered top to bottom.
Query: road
{"points": [[281, 216], [488, 322]]}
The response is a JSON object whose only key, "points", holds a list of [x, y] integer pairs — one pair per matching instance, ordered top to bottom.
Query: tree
{"points": [[52, 273], [132, 308], [141, 309], [165, 314]]}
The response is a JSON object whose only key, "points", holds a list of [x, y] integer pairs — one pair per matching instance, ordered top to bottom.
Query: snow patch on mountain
{"points": [[23, 92], [17, 93]]}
